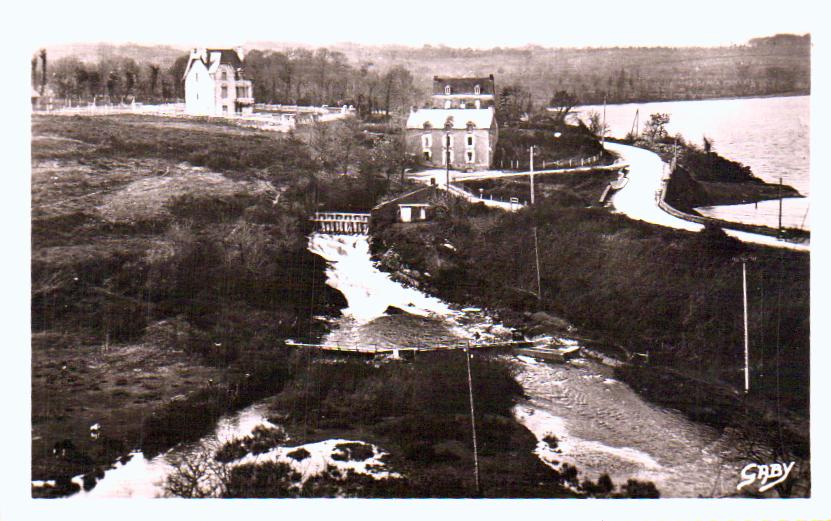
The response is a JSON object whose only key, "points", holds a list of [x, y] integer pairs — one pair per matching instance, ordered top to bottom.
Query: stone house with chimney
{"points": [[215, 83], [460, 118]]}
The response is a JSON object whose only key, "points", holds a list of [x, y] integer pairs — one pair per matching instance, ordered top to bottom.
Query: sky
{"points": [[479, 24]]}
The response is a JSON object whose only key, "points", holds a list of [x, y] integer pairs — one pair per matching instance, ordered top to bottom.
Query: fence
{"points": [[562, 163]]}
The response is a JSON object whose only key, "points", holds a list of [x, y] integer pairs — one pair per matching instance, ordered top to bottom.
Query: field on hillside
{"points": [[160, 261]]}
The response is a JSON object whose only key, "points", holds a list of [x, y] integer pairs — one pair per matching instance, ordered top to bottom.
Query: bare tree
{"points": [[34, 71], [42, 71], [154, 78], [562, 102], [596, 124], [655, 128], [196, 473]]}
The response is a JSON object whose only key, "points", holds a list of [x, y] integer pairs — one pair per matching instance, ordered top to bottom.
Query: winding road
{"points": [[638, 199]]}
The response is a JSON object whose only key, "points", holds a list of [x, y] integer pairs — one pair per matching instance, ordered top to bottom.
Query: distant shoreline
{"points": [[676, 100]]}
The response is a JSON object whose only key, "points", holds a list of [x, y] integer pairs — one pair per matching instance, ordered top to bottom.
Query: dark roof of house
{"points": [[228, 56], [463, 85]]}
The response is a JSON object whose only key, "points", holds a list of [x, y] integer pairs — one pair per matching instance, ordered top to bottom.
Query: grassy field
{"points": [[160, 262]]}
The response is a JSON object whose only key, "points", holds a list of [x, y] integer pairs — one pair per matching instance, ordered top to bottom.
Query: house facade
{"points": [[215, 83], [460, 118], [469, 134]]}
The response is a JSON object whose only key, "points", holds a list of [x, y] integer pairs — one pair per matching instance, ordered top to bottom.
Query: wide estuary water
{"points": [[770, 135]]}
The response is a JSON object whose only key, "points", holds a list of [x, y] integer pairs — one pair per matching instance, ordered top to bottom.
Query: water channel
{"points": [[602, 425]]}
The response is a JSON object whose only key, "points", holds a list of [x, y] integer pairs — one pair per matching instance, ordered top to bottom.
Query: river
{"points": [[770, 135], [601, 424]]}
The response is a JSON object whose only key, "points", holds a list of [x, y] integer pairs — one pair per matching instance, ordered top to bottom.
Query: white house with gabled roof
{"points": [[215, 83], [469, 134]]}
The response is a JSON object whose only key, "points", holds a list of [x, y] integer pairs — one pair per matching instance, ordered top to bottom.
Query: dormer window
{"points": [[447, 90], [477, 90], [448, 124], [427, 125]]}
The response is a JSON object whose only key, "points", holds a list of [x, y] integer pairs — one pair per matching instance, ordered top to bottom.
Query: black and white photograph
{"points": [[394, 251]]}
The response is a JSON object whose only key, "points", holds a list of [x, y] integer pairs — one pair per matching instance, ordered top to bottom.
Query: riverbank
{"points": [[680, 283]]}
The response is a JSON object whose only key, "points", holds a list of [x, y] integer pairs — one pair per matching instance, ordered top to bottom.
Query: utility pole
{"points": [[603, 128], [447, 162], [532, 174], [780, 207], [537, 256], [744, 259], [746, 342], [473, 423]]}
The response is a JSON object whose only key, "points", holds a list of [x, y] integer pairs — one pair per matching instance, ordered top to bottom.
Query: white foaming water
{"points": [[368, 290], [603, 426], [143, 478]]}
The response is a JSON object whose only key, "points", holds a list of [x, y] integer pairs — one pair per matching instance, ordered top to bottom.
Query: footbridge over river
{"points": [[341, 223]]}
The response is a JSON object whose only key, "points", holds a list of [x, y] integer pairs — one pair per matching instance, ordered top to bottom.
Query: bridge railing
{"points": [[341, 222]]}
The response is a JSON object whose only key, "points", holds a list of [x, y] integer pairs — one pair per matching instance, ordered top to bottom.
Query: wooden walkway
{"points": [[364, 349]]}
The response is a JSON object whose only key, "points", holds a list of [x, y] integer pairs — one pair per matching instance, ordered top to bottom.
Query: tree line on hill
{"points": [[391, 79]]}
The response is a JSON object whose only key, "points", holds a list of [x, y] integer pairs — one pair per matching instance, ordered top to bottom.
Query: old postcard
{"points": [[359, 250]]}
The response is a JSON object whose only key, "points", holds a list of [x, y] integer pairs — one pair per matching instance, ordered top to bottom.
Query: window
{"points": [[224, 75], [447, 90], [477, 90], [224, 91], [447, 104], [478, 104], [462, 105], [225, 109], [470, 140], [426, 141], [428, 155], [469, 156]]}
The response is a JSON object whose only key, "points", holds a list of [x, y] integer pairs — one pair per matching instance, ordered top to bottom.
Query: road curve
{"points": [[638, 199]]}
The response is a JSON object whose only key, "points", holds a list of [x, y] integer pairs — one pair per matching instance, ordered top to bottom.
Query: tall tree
{"points": [[34, 71], [42, 71], [154, 78], [562, 102], [655, 128]]}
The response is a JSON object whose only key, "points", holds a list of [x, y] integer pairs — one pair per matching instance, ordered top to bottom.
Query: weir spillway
{"points": [[341, 223]]}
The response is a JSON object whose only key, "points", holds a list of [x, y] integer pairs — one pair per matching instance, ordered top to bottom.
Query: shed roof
{"points": [[438, 118], [421, 196]]}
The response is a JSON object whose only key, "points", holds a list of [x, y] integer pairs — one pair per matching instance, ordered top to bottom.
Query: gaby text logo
{"points": [[768, 475]]}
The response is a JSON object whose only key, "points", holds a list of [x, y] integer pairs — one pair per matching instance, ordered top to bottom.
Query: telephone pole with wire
{"points": [[532, 173], [744, 260], [473, 423]]}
